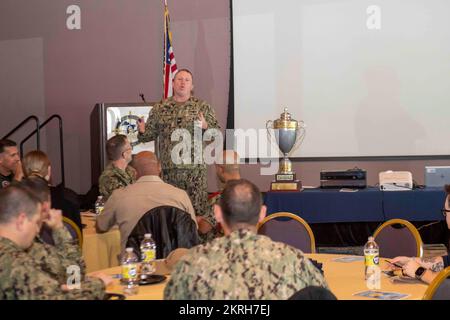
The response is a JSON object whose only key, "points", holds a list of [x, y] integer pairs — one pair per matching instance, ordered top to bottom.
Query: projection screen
{"points": [[369, 78]]}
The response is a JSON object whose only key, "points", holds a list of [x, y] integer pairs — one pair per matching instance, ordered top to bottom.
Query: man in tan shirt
{"points": [[126, 206]]}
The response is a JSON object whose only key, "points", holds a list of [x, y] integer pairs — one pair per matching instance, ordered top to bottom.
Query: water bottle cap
{"points": [[100, 197], [147, 235], [371, 238], [129, 250]]}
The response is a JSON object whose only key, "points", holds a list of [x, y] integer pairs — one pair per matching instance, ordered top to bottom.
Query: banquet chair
{"points": [[171, 228], [74, 230], [294, 231], [398, 237], [439, 288]]}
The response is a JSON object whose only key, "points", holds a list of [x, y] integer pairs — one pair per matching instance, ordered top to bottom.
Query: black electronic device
{"points": [[352, 178]]}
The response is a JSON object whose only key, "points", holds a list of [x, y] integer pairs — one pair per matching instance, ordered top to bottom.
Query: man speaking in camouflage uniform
{"points": [[184, 112], [118, 173], [242, 264], [23, 275]]}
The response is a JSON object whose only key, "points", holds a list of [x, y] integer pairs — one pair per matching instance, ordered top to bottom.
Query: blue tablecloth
{"points": [[365, 205]]}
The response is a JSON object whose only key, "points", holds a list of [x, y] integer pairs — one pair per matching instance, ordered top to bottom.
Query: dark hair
{"points": [[5, 143], [114, 147], [38, 186], [447, 188], [15, 200], [240, 202], [313, 293]]}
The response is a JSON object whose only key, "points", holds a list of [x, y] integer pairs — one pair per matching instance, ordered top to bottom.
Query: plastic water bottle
{"points": [[99, 205], [148, 255], [372, 268], [130, 277]]}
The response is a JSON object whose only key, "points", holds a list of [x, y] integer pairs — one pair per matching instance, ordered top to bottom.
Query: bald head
{"points": [[146, 164], [228, 168], [241, 203]]}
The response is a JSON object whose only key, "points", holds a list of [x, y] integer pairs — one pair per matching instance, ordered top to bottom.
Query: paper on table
{"points": [[348, 259], [382, 295]]}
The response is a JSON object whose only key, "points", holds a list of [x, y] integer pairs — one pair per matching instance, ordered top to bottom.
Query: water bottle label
{"points": [[98, 209], [148, 255], [371, 260], [129, 271]]}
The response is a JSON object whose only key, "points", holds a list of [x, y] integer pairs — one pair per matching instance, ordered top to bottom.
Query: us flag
{"points": [[170, 66]]}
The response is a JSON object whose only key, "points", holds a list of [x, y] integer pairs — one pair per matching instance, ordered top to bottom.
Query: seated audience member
{"points": [[36, 163], [10, 166], [226, 170], [118, 173], [39, 187], [127, 205], [446, 212], [64, 251], [242, 264], [426, 269], [21, 275]]}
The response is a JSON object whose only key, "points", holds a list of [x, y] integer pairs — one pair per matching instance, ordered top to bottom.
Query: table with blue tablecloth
{"points": [[369, 205]]}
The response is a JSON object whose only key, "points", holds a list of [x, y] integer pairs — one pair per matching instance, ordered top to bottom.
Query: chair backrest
{"points": [[171, 228], [74, 230], [294, 231], [398, 237], [439, 288]]}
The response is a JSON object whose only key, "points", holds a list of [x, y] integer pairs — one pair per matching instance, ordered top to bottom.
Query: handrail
{"points": [[38, 136], [61, 142]]}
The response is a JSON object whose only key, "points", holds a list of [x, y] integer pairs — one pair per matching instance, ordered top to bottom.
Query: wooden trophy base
{"points": [[286, 182]]}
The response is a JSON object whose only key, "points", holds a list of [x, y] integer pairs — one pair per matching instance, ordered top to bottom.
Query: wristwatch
{"points": [[419, 272]]}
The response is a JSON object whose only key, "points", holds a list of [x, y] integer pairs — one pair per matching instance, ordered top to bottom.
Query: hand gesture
{"points": [[202, 119], [141, 125], [18, 173], [54, 220], [203, 225], [400, 260], [410, 268], [107, 279]]}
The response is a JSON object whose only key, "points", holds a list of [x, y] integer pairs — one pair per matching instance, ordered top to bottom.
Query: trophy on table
{"points": [[289, 134]]}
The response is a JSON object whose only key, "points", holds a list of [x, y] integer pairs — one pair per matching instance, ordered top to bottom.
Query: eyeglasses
{"points": [[444, 212]]}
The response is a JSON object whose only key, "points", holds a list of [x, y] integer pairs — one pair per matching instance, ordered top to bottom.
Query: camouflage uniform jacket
{"points": [[167, 116], [113, 178], [216, 230], [56, 259], [242, 265], [25, 278]]}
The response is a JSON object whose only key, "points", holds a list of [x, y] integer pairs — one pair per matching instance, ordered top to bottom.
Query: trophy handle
{"points": [[269, 128], [301, 135]]}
